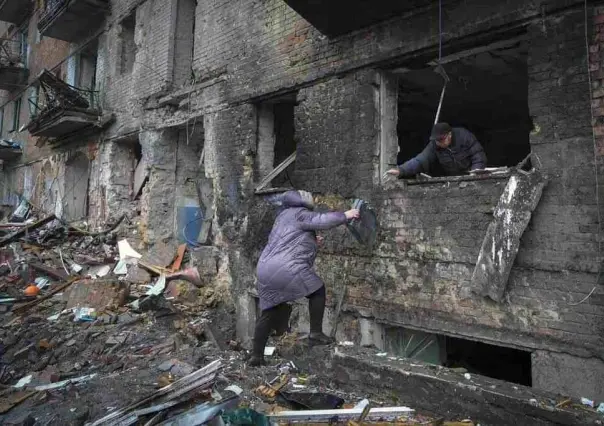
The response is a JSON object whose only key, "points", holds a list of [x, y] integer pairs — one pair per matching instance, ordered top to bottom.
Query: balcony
{"points": [[14, 11], [337, 17], [72, 20], [13, 71], [61, 110]]}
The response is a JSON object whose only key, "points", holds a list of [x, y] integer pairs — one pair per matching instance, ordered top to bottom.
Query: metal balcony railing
{"points": [[51, 10], [12, 53], [56, 95]]}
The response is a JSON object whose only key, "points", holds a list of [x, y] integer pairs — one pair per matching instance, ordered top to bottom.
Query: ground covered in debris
{"points": [[96, 329]]}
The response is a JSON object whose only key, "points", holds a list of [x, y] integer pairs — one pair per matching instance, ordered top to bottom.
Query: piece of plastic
{"points": [[364, 229], [84, 314], [587, 402]]}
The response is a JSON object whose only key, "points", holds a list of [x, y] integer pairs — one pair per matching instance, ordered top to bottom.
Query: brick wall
{"points": [[430, 235]]}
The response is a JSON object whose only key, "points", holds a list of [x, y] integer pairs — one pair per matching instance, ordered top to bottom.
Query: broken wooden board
{"points": [[141, 174], [502, 240], [8, 402]]}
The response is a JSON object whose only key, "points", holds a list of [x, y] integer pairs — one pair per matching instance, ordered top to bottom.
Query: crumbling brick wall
{"points": [[430, 234]]}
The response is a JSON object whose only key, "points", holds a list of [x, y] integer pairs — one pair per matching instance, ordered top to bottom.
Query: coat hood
{"points": [[296, 199]]}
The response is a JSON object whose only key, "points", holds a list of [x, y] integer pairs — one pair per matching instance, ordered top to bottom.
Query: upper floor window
{"points": [[486, 96], [16, 114]]}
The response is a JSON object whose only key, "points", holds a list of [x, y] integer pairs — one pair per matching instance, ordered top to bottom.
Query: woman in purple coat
{"points": [[285, 269]]}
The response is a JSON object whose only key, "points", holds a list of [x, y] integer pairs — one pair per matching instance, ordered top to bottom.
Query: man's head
{"points": [[441, 135]]}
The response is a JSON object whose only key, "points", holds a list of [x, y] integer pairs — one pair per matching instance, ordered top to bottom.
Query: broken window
{"points": [[184, 37], [128, 45], [85, 76], [34, 93], [487, 94], [16, 114], [276, 143], [498, 362]]}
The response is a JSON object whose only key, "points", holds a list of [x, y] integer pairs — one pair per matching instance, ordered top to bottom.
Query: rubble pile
{"points": [[97, 330]]}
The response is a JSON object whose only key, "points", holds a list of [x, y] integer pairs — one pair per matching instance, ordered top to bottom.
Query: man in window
{"points": [[456, 150]]}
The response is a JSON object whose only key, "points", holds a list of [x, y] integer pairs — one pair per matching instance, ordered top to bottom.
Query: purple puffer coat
{"points": [[285, 269]]}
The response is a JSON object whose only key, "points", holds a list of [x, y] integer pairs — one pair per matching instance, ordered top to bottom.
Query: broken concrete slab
{"points": [[502, 240], [485, 400]]}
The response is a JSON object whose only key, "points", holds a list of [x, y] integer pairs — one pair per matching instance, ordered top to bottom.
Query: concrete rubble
{"points": [[144, 145], [87, 354]]}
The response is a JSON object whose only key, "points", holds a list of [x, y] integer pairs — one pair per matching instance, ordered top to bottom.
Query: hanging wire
{"points": [[440, 30], [595, 148]]}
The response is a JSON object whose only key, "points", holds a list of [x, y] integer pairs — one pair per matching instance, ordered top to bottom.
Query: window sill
{"points": [[452, 179]]}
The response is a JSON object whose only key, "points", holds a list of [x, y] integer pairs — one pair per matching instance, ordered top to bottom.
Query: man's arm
{"points": [[477, 155], [419, 164]]}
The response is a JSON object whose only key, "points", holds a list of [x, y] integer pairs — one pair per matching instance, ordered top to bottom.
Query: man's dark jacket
{"points": [[464, 154]]}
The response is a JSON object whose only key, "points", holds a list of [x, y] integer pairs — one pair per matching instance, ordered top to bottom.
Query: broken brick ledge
{"points": [[440, 390]]}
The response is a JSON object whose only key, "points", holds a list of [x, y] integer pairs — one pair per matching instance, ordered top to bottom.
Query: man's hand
{"points": [[393, 172], [352, 214], [320, 240]]}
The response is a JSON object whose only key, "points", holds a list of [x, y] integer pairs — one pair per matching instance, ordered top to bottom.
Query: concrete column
{"points": [[157, 201]]}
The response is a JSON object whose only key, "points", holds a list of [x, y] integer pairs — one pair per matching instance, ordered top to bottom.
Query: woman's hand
{"points": [[352, 214]]}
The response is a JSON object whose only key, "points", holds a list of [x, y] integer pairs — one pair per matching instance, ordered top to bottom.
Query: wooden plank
{"points": [[272, 175], [140, 177], [22, 232], [342, 414]]}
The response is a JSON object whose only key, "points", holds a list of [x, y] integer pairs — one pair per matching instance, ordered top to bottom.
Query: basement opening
{"points": [[487, 94], [276, 142], [497, 362]]}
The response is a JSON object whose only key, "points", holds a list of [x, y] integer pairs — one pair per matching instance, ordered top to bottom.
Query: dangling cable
{"points": [[440, 30]]}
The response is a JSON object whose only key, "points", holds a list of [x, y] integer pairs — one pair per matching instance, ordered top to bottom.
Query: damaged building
{"points": [[188, 115]]}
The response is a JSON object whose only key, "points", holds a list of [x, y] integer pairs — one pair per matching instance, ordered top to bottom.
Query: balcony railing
{"points": [[71, 20], [12, 53], [13, 69], [60, 109]]}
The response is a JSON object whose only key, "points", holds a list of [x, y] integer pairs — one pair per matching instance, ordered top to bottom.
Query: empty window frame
{"points": [[184, 37], [127, 44], [487, 94], [16, 114], [276, 151]]}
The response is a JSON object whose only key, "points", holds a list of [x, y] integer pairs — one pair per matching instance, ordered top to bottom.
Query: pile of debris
{"points": [[94, 330]]}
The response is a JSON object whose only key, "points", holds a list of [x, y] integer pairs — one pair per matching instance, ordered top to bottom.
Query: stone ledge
{"points": [[440, 390]]}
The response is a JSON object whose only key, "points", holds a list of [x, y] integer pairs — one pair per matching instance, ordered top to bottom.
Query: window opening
{"points": [[184, 37], [128, 45], [86, 69], [34, 93], [487, 94], [16, 114], [276, 143], [498, 362]]}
